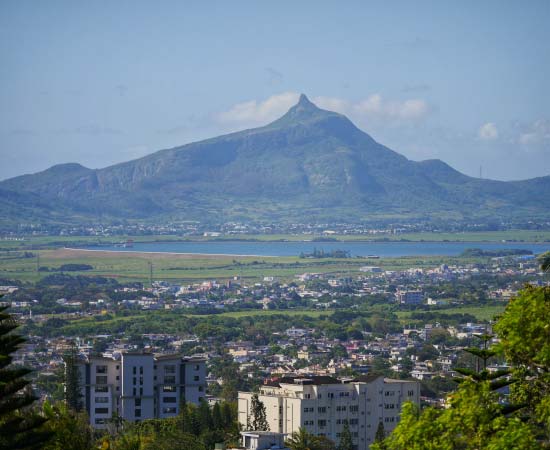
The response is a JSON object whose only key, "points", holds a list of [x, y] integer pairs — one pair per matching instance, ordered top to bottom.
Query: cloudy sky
{"points": [[103, 82]]}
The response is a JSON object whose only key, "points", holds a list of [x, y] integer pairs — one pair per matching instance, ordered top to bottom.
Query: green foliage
{"points": [[525, 341], [73, 395], [476, 418], [257, 420], [473, 422], [20, 426], [70, 429], [303, 440], [346, 441]]}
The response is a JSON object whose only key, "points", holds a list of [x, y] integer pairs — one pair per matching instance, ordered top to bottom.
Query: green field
{"points": [[133, 266], [482, 313]]}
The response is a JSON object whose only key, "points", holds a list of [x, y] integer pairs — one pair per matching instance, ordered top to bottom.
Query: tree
{"points": [[544, 260], [524, 335], [73, 395], [476, 418], [217, 420], [257, 420], [473, 421], [20, 427], [71, 430], [380, 435], [303, 440], [346, 441]]}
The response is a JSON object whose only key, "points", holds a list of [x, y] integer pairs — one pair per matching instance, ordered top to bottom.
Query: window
{"points": [[117, 367], [197, 367], [101, 369], [169, 369], [134, 370], [141, 370], [118, 377], [196, 378], [101, 379], [170, 379], [134, 380], [140, 380], [102, 388], [169, 389], [201, 389], [141, 391], [134, 392], [410, 393], [307, 395], [102, 399], [169, 400], [137, 402], [340, 408], [354, 408], [322, 409], [102, 410], [169, 410], [137, 413], [99, 421], [354, 421], [322, 423]]}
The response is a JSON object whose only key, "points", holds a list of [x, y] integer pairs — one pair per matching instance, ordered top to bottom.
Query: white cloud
{"points": [[373, 108], [254, 112], [488, 132], [536, 133]]}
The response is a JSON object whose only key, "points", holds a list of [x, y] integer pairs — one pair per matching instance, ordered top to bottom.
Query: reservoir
{"points": [[381, 249]]}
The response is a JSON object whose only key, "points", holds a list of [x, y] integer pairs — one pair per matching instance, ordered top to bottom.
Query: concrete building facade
{"points": [[139, 386], [323, 405]]}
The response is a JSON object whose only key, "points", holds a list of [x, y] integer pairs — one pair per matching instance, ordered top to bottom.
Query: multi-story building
{"points": [[409, 297], [138, 386], [323, 405]]}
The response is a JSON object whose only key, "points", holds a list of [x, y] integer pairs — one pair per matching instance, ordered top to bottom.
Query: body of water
{"points": [[382, 249]]}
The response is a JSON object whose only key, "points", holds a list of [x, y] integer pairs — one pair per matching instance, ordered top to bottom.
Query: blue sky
{"points": [[104, 82]]}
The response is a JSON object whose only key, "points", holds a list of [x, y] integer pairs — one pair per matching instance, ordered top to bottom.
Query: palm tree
{"points": [[303, 440]]}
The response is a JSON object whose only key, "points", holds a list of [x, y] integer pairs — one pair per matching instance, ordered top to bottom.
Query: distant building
{"points": [[409, 297], [139, 386], [323, 405], [261, 440]]}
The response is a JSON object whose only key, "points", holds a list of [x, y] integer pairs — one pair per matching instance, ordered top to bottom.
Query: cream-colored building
{"points": [[322, 405]]}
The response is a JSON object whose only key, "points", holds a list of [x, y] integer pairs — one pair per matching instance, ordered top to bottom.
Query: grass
{"points": [[126, 266], [482, 313]]}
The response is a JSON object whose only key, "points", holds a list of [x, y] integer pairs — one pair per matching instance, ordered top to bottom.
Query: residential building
{"points": [[409, 297], [138, 386], [323, 405]]}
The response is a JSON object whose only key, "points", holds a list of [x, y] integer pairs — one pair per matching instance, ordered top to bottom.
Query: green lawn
{"points": [[126, 266], [483, 313]]}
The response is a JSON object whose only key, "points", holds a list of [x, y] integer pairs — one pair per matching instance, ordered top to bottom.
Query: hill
{"points": [[308, 165]]}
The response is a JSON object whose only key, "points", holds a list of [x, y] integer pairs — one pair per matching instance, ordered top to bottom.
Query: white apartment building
{"points": [[409, 297], [138, 386], [322, 405]]}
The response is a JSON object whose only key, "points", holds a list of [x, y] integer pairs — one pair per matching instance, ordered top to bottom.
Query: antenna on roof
{"points": [[480, 171]]}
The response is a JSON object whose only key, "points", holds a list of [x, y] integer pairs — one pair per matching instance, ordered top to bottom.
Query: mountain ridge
{"points": [[308, 163]]}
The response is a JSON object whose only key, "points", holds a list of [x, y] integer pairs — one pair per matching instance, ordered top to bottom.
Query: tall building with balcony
{"points": [[138, 386], [323, 405]]}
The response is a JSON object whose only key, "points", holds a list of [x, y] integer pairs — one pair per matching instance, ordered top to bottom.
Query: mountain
{"points": [[308, 165]]}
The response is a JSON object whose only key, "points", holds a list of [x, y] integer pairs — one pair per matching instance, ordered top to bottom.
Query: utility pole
{"points": [[151, 273]]}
